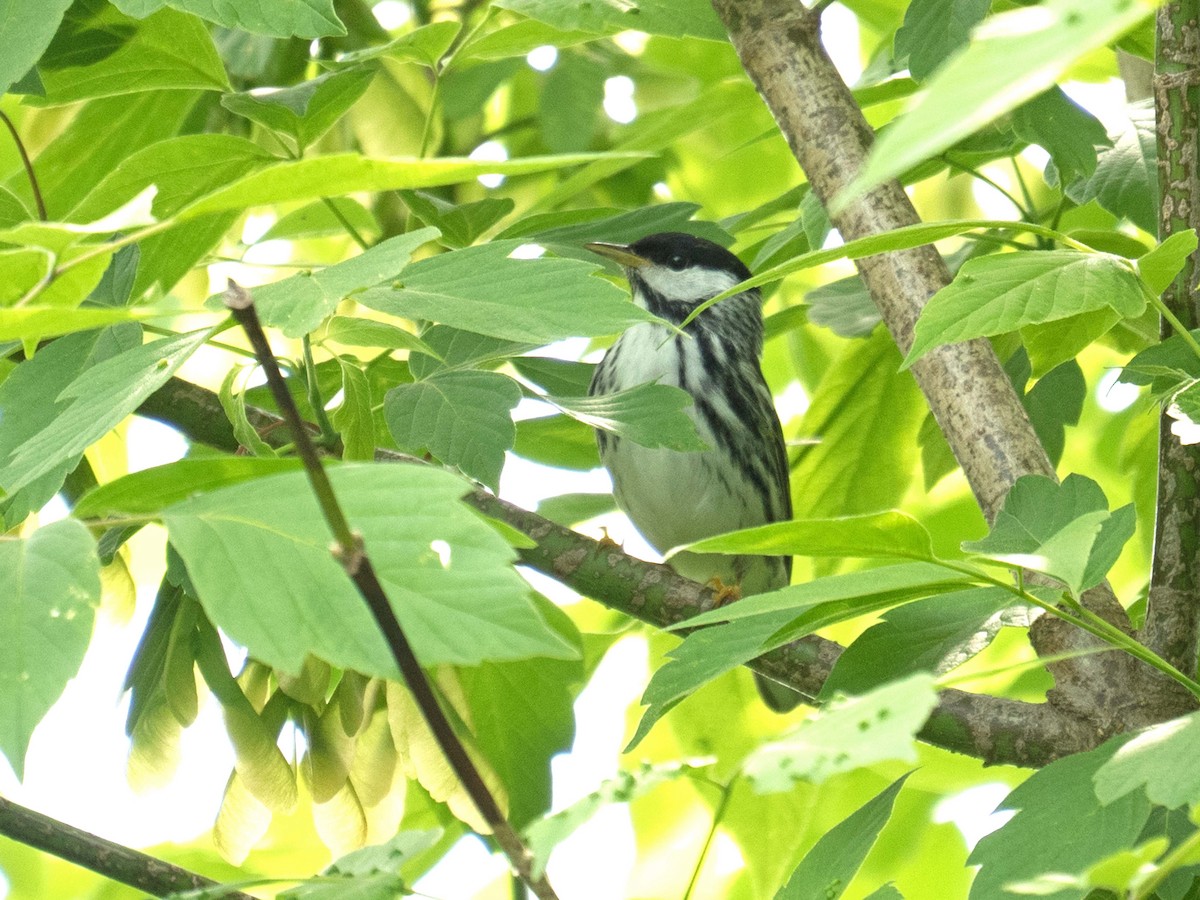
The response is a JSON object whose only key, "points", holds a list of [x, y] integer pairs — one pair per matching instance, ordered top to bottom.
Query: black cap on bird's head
{"points": [[672, 250], [671, 273]]}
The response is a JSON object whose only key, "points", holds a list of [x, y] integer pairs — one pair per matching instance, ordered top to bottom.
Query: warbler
{"points": [[741, 480]]}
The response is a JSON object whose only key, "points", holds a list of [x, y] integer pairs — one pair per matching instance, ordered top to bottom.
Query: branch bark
{"points": [[778, 42], [1173, 610], [993, 729], [131, 867]]}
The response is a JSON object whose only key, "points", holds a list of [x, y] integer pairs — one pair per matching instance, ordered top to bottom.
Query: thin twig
{"points": [[33, 182], [353, 556], [123, 864]]}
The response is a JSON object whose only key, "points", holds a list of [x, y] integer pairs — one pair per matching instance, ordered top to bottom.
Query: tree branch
{"points": [[971, 397], [1173, 609], [996, 730], [131, 867]]}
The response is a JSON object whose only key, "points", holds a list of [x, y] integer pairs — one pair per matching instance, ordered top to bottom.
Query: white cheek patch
{"points": [[694, 283]]}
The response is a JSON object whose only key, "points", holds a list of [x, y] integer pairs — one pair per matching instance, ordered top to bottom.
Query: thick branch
{"points": [[971, 397], [1173, 611], [990, 728], [103, 857]]}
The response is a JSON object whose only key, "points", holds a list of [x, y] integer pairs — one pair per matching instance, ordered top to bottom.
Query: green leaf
{"points": [[277, 18], [670, 18], [934, 29], [26, 30], [517, 39], [425, 45], [167, 51], [1015, 56], [571, 94], [304, 111], [1068, 132], [181, 169], [347, 173], [1126, 178], [318, 220], [460, 224], [566, 231], [1161, 265], [484, 290], [995, 294], [298, 304], [844, 307], [35, 321], [355, 332], [1050, 344], [457, 349], [1171, 361], [560, 377], [1054, 402], [29, 404], [234, 406], [87, 408], [652, 415], [462, 418], [353, 419], [558, 441], [838, 478], [150, 490], [571, 509], [1065, 531], [884, 534], [266, 540], [899, 582], [49, 588], [755, 624], [932, 635], [521, 714], [848, 733], [1158, 761], [1032, 844], [827, 869], [372, 873]]}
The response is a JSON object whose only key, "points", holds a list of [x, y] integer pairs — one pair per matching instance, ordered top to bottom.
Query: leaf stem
{"points": [[427, 131], [28, 163], [354, 233], [1165, 311], [315, 400], [352, 555], [1082, 618], [718, 814]]}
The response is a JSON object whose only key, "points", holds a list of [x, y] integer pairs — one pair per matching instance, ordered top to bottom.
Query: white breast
{"points": [[673, 497]]}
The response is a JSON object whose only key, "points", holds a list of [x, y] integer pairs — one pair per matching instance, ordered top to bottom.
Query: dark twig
{"points": [[33, 182], [351, 553], [131, 867]]}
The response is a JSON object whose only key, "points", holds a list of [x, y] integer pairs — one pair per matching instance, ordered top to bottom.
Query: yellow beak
{"points": [[619, 253]]}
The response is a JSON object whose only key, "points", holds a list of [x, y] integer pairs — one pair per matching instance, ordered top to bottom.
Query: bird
{"points": [[675, 497]]}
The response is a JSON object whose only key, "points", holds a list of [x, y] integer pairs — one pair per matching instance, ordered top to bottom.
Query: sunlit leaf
{"points": [[995, 294], [462, 418], [265, 539], [49, 589], [826, 871]]}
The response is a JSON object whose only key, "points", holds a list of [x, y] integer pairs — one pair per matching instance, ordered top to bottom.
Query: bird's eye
{"points": [[678, 263]]}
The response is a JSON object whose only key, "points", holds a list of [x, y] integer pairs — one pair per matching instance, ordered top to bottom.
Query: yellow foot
{"points": [[606, 541], [726, 593]]}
